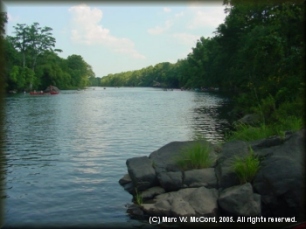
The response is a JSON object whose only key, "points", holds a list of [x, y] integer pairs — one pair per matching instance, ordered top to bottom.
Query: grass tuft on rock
{"points": [[196, 156], [246, 167], [138, 198]]}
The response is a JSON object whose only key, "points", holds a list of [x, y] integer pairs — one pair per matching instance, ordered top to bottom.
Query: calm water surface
{"points": [[65, 153]]}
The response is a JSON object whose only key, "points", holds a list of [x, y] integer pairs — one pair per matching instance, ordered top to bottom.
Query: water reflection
{"points": [[209, 116]]}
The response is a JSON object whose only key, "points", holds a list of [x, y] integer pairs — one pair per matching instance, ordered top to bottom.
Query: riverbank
{"points": [[161, 188]]}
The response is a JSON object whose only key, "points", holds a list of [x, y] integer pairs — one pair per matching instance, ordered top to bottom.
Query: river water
{"points": [[65, 153]]}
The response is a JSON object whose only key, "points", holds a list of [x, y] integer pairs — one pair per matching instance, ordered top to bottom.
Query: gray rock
{"points": [[165, 158], [142, 173], [225, 174], [200, 177], [125, 180], [280, 180], [170, 181], [281, 184], [129, 187], [152, 192], [204, 201], [240, 201], [185, 202], [181, 207], [160, 208]]}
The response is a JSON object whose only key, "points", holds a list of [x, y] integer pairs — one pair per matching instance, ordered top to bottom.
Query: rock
{"points": [[165, 158], [224, 171], [142, 173], [200, 177], [125, 180], [280, 180], [170, 181], [129, 187], [281, 187], [276, 191], [152, 192], [204, 201], [240, 201], [185, 202], [181, 207], [134, 210]]}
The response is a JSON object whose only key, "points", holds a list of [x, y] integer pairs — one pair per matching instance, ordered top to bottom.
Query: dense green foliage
{"points": [[257, 54], [32, 61]]}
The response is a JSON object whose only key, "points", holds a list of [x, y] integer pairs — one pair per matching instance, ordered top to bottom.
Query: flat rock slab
{"points": [[142, 173], [240, 201], [185, 202]]}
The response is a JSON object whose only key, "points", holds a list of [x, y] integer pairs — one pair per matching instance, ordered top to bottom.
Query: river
{"points": [[65, 153]]}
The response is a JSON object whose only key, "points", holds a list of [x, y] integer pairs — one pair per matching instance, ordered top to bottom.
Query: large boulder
{"points": [[165, 159], [224, 169], [142, 173], [280, 180], [240, 201], [185, 202]]}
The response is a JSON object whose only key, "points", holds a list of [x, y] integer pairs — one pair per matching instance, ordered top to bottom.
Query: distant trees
{"points": [[257, 52], [32, 61]]}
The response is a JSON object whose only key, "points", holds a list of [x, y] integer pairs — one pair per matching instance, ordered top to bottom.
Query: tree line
{"points": [[257, 53], [32, 61]]}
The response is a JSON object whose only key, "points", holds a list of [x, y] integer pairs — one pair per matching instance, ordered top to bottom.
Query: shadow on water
{"points": [[211, 118]]}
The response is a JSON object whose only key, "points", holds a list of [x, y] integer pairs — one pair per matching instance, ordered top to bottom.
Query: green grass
{"points": [[251, 133], [196, 156], [246, 167], [137, 197]]}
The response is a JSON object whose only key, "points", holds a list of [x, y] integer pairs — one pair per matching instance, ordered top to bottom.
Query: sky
{"points": [[120, 37]]}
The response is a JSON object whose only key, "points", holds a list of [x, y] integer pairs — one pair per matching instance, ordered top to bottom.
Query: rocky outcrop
{"points": [[276, 190]]}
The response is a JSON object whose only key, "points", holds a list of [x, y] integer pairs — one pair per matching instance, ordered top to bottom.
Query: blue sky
{"points": [[120, 37]]}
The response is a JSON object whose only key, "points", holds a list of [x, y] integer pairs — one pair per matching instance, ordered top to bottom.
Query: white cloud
{"points": [[166, 9], [206, 16], [160, 29], [87, 30], [186, 39]]}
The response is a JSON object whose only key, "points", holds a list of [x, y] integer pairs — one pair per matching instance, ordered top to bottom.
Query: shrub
{"points": [[196, 156], [246, 167]]}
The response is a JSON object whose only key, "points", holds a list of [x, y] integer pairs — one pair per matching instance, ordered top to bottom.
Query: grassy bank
{"points": [[275, 119]]}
